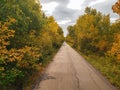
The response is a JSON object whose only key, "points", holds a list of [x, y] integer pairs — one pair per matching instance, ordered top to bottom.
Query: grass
{"points": [[107, 66]]}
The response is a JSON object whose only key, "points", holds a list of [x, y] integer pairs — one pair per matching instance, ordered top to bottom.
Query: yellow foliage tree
{"points": [[115, 49], [14, 62]]}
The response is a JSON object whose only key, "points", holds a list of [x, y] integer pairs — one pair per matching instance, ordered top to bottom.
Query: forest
{"points": [[98, 39], [27, 40]]}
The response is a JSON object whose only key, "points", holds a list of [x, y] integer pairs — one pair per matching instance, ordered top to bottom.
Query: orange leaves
{"points": [[116, 7], [5, 33], [102, 45], [115, 50], [32, 51], [14, 55], [20, 56], [24, 56], [29, 56], [118, 57]]}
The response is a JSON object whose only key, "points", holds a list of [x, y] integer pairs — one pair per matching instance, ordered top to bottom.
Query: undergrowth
{"points": [[107, 66]]}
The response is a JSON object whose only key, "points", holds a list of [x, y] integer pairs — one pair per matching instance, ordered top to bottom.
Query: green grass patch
{"points": [[107, 66]]}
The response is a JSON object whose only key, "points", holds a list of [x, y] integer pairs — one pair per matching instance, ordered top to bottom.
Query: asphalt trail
{"points": [[69, 71]]}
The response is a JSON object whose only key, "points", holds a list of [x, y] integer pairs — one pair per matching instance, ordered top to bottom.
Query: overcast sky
{"points": [[66, 12]]}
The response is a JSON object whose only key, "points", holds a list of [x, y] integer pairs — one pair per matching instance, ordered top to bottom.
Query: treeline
{"points": [[93, 33], [27, 37], [99, 40]]}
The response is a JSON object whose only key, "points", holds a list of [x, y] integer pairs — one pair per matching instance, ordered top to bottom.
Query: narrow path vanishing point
{"points": [[69, 71]]}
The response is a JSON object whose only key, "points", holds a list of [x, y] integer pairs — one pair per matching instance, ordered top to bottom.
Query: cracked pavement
{"points": [[69, 71]]}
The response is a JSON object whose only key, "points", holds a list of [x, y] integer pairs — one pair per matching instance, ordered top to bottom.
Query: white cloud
{"points": [[97, 2], [75, 4], [49, 7], [113, 20], [64, 22]]}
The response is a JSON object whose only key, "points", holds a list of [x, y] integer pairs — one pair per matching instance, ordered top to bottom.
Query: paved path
{"points": [[69, 71]]}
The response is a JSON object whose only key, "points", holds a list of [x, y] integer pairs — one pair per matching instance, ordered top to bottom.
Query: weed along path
{"points": [[69, 71]]}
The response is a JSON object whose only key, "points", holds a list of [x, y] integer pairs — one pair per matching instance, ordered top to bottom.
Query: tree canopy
{"points": [[27, 38]]}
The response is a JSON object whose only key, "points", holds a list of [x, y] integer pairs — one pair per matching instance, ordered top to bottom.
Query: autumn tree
{"points": [[116, 7], [90, 33], [71, 35], [27, 38], [114, 50], [14, 63]]}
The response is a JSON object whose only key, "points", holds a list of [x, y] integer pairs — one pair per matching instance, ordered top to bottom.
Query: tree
{"points": [[116, 7], [90, 33], [25, 38], [115, 49], [14, 63]]}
